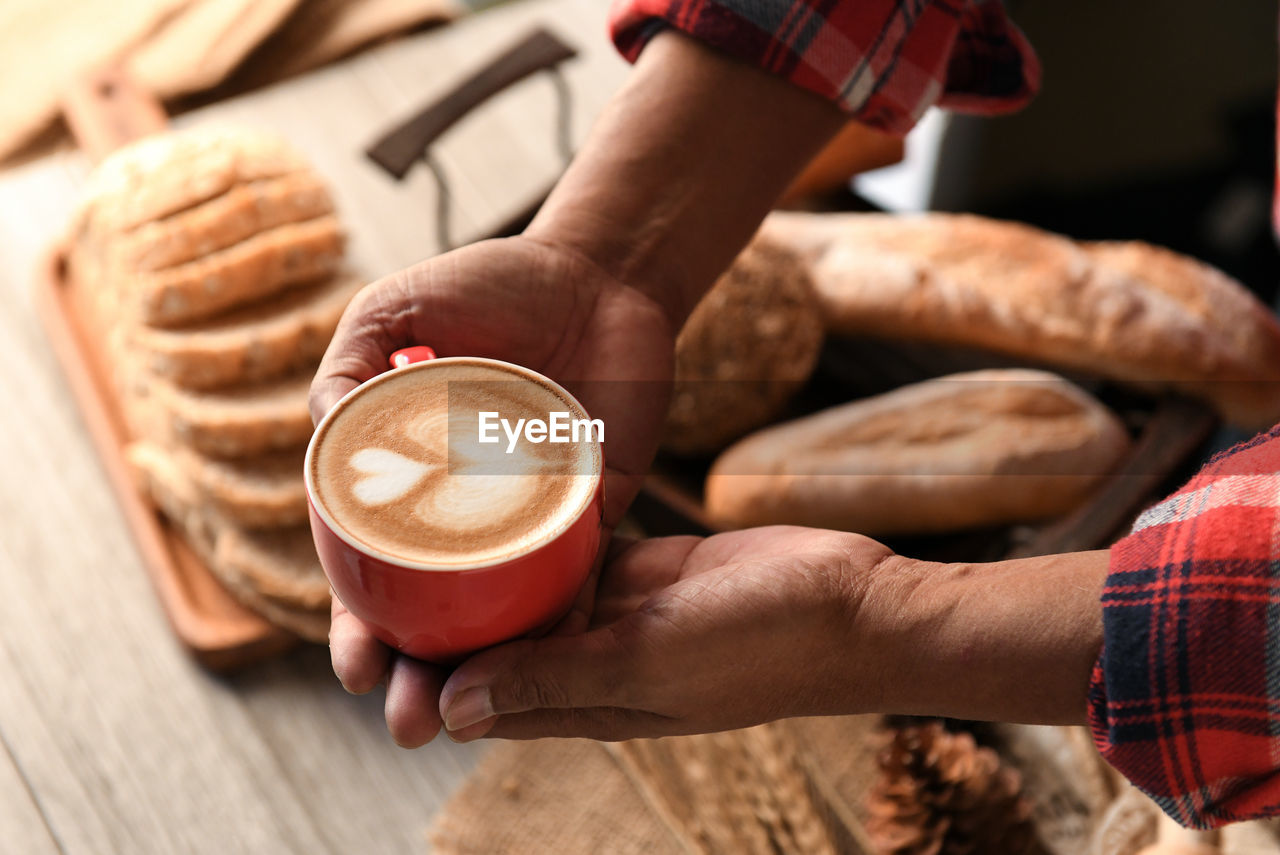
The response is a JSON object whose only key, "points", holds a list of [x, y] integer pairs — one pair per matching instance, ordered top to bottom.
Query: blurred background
{"points": [[134, 718]]}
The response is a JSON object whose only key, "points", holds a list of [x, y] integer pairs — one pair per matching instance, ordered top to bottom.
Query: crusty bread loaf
{"points": [[1130, 312], [253, 343], [747, 347], [982, 448], [275, 572]]}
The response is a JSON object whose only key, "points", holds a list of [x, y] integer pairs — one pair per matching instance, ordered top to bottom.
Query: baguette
{"points": [[1129, 312], [969, 450]]}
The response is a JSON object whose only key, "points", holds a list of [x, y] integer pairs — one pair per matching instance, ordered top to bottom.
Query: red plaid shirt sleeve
{"points": [[883, 61], [1185, 698]]}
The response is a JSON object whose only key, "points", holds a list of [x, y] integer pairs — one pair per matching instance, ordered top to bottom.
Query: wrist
{"points": [[681, 167], [1008, 640]]}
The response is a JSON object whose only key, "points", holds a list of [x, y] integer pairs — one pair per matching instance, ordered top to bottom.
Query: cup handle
{"points": [[410, 355]]}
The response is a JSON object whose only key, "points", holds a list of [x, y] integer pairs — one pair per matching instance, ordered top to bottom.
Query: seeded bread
{"points": [[162, 175], [241, 212], [183, 226], [204, 263], [257, 267], [1130, 312], [253, 343], [747, 347], [240, 421], [975, 449], [254, 493], [274, 572], [277, 573]]}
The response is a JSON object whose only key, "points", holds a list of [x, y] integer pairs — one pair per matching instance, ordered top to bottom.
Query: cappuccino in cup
{"points": [[457, 463]]}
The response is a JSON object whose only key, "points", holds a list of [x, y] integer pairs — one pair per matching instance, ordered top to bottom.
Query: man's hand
{"points": [[524, 301], [535, 304], [689, 635], [692, 635]]}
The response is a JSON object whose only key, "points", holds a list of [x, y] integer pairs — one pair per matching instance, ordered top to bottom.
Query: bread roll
{"points": [[1127, 311], [747, 347], [975, 449]]}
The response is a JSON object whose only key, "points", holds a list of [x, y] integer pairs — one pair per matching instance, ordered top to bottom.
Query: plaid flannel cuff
{"points": [[883, 61], [1185, 698]]}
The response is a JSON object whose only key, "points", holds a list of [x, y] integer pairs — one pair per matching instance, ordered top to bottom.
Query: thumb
{"points": [[557, 672]]}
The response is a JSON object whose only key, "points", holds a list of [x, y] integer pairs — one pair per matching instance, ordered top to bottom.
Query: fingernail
{"points": [[471, 706], [476, 731]]}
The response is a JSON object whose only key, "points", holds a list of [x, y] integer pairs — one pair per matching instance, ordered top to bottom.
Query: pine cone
{"points": [[940, 794]]}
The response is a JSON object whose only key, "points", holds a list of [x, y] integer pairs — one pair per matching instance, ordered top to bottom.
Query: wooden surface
{"points": [[111, 738]]}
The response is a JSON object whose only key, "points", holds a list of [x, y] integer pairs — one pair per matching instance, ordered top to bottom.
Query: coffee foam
{"points": [[399, 469]]}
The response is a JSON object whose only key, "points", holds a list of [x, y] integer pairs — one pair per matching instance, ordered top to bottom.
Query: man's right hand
{"points": [[524, 301]]}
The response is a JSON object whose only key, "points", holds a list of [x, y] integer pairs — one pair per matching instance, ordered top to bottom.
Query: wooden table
{"points": [[111, 739]]}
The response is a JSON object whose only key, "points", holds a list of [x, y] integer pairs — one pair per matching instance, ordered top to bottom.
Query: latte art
{"points": [[398, 466], [390, 475]]}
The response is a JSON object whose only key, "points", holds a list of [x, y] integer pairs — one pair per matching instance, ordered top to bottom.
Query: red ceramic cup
{"points": [[440, 614]]}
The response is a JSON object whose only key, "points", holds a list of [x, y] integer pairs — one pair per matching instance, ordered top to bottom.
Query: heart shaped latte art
{"points": [[388, 475]]}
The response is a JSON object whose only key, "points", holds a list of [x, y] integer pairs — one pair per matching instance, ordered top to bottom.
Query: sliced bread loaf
{"points": [[253, 343], [274, 572]]}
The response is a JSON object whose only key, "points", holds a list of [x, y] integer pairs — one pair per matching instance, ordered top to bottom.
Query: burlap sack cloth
{"points": [[178, 48], [785, 786], [793, 786]]}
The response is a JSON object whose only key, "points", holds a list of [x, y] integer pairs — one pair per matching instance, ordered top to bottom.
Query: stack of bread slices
{"points": [[209, 265]]}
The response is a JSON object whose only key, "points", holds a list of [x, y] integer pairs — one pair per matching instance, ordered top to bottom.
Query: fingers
{"points": [[376, 323], [327, 391], [360, 661], [559, 672], [413, 695]]}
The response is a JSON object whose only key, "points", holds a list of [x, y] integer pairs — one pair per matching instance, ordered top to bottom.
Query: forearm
{"points": [[681, 167], [1010, 640]]}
